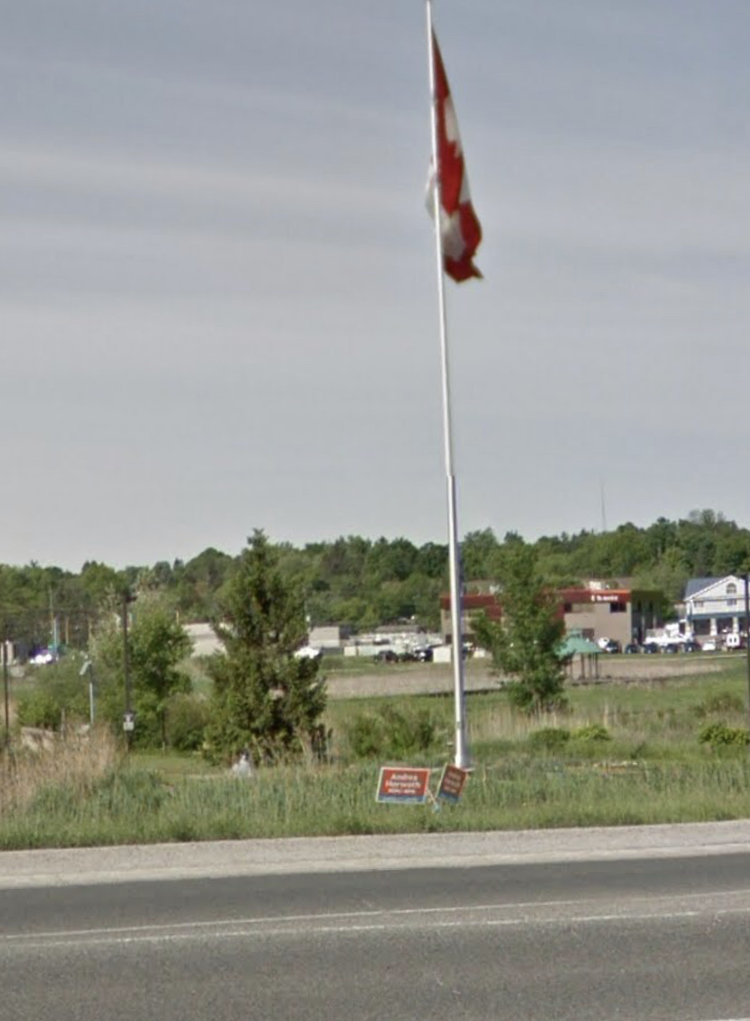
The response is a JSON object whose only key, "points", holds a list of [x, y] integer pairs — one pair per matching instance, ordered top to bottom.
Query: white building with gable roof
{"points": [[715, 607]]}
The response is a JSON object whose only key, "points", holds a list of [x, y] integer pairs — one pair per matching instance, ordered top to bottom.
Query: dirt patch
{"points": [[656, 668], [420, 679], [436, 679]]}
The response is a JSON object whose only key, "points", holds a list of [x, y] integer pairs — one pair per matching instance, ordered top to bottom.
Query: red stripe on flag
{"points": [[460, 229]]}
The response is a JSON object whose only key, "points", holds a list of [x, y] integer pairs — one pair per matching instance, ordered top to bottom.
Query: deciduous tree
{"points": [[157, 643], [524, 643]]}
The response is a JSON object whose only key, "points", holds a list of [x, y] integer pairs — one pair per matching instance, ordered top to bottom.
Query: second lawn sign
{"points": [[452, 783], [403, 785]]}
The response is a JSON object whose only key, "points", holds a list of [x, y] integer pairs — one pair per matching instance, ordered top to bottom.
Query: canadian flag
{"points": [[459, 227]]}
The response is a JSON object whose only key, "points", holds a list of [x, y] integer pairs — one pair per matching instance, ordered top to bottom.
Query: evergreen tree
{"points": [[265, 698]]}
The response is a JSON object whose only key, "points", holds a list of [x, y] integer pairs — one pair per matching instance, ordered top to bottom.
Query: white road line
{"points": [[261, 920], [119, 938]]}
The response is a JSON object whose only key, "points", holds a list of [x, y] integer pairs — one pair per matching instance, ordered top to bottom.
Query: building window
{"points": [[731, 589], [731, 602], [617, 607]]}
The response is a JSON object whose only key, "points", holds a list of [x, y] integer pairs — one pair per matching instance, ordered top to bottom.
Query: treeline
{"points": [[362, 582]]}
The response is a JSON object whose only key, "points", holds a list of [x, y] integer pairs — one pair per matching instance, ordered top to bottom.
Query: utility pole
{"points": [[53, 624], [747, 641], [6, 690], [128, 724]]}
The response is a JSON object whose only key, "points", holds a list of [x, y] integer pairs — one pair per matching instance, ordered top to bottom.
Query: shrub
{"points": [[57, 689], [720, 702], [39, 708], [187, 717], [390, 732], [407, 732], [593, 732], [719, 735], [366, 736], [549, 739]]}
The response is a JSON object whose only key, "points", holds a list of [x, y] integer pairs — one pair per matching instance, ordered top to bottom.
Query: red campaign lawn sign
{"points": [[452, 783], [403, 785]]}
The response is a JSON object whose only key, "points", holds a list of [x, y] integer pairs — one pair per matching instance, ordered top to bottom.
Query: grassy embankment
{"points": [[648, 767]]}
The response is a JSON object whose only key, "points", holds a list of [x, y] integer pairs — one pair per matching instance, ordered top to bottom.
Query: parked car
{"points": [[709, 645], [612, 646], [692, 646], [631, 648], [650, 648], [671, 648], [308, 652], [424, 654], [386, 656], [43, 657]]}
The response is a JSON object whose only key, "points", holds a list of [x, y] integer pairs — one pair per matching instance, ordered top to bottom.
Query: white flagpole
{"points": [[462, 759]]}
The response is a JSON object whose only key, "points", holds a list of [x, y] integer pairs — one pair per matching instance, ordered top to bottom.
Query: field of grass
{"points": [[623, 754]]}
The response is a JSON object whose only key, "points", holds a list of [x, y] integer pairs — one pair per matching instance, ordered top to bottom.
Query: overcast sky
{"points": [[217, 280]]}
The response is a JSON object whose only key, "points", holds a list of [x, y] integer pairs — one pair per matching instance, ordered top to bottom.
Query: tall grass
{"points": [[621, 755], [76, 764], [135, 806]]}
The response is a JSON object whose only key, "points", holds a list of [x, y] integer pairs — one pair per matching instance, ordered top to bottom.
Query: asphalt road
{"points": [[626, 937]]}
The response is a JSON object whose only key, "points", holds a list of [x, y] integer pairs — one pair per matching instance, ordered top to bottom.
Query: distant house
{"points": [[715, 606], [326, 637]]}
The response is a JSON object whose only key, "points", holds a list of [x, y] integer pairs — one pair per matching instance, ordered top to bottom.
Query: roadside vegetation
{"points": [[660, 751], [546, 753]]}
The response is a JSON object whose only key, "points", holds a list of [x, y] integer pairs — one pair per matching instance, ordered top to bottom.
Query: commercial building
{"points": [[592, 611], [622, 614]]}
